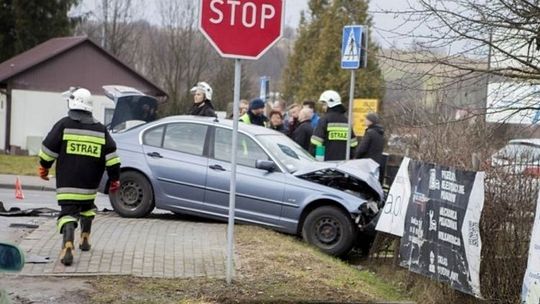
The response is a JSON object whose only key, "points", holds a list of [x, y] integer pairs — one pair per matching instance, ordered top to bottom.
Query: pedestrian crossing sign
{"points": [[352, 50]]}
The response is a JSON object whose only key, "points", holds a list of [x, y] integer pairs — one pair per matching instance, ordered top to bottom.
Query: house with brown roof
{"points": [[31, 84]]}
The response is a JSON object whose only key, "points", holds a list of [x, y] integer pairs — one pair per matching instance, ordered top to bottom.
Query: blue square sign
{"points": [[351, 47]]}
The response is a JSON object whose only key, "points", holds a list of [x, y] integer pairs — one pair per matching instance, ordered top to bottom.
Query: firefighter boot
{"points": [[86, 227], [68, 231]]}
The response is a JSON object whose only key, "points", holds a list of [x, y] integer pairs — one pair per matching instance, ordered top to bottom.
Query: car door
{"points": [[175, 153], [259, 192]]}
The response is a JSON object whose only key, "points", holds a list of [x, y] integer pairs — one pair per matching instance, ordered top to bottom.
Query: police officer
{"points": [[255, 114], [332, 129], [82, 148]]}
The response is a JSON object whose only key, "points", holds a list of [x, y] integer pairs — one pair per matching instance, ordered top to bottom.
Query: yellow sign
{"points": [[361, 108]]}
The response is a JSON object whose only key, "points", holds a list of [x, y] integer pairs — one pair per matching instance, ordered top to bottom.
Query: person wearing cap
{"points": [[202, 100], [255, 114], [332, 129], [372, 143]]}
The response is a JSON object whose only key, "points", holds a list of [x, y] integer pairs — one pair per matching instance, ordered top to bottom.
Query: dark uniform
{"points": [[204, 109], [331, 132], [302, 134], [82, 149]]}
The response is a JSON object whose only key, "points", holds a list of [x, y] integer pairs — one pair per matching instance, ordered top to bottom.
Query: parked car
{"points": [[519, 156], [182, 164]]}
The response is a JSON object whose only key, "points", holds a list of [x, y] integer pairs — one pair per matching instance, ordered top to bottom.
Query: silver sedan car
{"points": [[182, 164]]}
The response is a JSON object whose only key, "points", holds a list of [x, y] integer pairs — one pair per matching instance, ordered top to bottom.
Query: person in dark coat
{"points": [[202, 100], [255, 114], [276, 122], [292, 122], [332, 129], [303, 132], [372, 143]]}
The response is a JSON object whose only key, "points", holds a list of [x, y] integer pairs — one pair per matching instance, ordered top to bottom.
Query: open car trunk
{"points": [[132, 107]]}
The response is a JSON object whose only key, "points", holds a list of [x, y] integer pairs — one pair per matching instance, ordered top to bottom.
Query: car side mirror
{"points": [[267, 165], [11, 258]]}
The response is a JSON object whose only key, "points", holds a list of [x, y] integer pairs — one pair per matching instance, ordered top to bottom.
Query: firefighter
{"points": [[202, 100], [332, 129], [82, 148]]}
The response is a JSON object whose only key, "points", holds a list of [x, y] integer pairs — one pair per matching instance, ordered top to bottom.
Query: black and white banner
{"points": [[438, 217], [531, 284]]}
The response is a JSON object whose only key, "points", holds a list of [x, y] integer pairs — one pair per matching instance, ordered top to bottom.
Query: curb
{"points": [[30, 187]]}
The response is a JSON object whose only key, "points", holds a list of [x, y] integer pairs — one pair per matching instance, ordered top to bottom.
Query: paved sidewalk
{"points": [[28, 182], [140, 247]]}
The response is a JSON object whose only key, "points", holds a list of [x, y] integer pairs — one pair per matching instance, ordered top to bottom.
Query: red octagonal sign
{"points": [[242, 28]]}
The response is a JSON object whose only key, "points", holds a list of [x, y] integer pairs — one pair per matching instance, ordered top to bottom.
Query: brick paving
{"points": [[140, 247]]}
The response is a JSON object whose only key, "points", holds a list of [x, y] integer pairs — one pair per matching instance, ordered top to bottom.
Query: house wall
{"points": [[35, 112], [2, 120]]}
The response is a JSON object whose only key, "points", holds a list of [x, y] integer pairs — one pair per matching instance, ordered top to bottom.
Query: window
{"points": [[109, 113], [153, 137], [185, 137], [248, 150]]}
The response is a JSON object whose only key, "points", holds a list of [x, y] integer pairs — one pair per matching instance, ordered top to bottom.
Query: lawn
{"points": [[19, 165], [273, 268]]}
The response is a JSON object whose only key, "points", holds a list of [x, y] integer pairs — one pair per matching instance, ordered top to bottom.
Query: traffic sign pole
{"points": [[226, 24], [351, 59], [351, 101], [232, 193]]}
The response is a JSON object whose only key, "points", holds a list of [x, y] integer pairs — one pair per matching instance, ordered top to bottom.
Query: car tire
{"points": [[135, 198], [330, 230]]}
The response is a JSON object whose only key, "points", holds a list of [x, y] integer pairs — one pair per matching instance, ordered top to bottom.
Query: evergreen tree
{"points": [[26, 23], [7, 30], [314, 65]]}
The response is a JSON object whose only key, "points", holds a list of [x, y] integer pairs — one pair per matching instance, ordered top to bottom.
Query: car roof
{"points": [[228, 123], [526, 141]]}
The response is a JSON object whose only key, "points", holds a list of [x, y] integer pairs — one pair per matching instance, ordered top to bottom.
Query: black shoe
{"points": [[85, 242], [66, 256]]}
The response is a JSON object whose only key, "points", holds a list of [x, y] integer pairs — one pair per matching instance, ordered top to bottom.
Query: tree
{"points": [[38, 21], [26, 23], [7, 30], [314, 65]]}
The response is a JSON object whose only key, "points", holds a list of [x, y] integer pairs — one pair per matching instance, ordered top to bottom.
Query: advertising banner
{"points": [[531, 284]]}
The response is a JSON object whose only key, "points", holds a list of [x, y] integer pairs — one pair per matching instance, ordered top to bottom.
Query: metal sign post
{"points": [[226, 26], [353, 57], [350, 119], [232, 193]]}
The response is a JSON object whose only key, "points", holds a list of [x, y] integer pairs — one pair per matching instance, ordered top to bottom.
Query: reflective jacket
{"points": [[251, 119], [331, 132], [82, 151]]}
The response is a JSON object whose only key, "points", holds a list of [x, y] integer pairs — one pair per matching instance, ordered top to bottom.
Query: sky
{"points": [[383, 22]]}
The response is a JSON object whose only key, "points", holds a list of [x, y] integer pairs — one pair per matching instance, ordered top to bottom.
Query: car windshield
{"points": [[519, 152], [289, 153]]}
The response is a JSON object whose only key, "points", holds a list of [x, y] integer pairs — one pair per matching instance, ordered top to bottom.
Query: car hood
{"points": [[130, 105], [366, 170]]}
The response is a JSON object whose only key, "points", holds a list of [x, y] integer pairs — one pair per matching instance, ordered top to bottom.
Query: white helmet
{"points": [[203, 87], [331, 98], [79, 99]]}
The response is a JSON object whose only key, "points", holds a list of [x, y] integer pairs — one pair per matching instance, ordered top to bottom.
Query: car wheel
{"points": [[135, 198], [329, 229]]}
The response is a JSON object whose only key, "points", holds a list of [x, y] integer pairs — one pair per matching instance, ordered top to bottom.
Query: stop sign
{"points": [[242, 28]]}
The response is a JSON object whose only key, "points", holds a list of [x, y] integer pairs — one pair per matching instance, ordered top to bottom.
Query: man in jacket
{"points": [[202, 100], [255, 114], [332, 130], [303, 132], [372, 143], [82, 148]]}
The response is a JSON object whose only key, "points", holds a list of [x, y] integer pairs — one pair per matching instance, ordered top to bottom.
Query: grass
{"points": [[19, 165], [273, 268]]}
